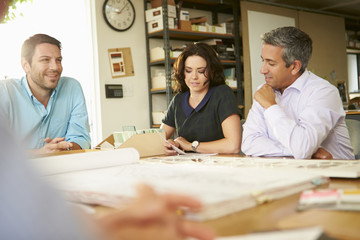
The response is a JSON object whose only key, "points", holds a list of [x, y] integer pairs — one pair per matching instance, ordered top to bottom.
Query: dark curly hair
{"points": [[214, 70]]}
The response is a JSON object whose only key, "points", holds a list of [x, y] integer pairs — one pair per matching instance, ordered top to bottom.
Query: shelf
{"points": [[176, 34], [166, 35], [352, 50], [161, 62], [228, 62], [158, 90], [163, 90]]}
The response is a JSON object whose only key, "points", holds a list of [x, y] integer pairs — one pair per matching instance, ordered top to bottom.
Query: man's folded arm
{"points": [[303, 138]]}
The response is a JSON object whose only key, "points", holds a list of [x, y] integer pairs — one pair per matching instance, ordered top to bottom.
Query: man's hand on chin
{"points": [[265, 96]]}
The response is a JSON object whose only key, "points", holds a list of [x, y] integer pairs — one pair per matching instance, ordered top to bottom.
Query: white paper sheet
{"points": [[84, 161], [328, 168]]}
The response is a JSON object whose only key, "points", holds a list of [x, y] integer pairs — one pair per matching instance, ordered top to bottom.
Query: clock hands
{"points": [[123, 7], [116, 10]]}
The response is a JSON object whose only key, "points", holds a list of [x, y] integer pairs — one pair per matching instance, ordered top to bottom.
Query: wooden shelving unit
{"points": [[226, 6]]}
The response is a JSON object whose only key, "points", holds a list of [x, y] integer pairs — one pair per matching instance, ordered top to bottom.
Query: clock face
{"points": [[119, 14]]}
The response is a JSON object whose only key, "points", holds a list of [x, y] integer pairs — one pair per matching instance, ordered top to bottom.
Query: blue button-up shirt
{"points": [[65, 115]]}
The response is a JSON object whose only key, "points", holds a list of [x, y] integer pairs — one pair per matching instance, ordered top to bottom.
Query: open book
{"points": [[222, 189]]}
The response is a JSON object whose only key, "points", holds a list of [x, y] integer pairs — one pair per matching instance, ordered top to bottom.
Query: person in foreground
{"points": [[46, 111], [204, 113], [295, 113], [31, 209]]}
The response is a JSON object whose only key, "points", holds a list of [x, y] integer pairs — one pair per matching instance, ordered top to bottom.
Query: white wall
{"points": [[268, 23], [352, 73], [133, 109], [112, 114]]}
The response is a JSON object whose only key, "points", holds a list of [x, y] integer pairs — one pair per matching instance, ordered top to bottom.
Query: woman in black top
{"points": [[204, 113]]}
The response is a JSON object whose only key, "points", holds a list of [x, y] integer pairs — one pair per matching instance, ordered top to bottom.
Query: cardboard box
{"points": [[157, 3], [157, 13], [184, 15], [157, 25], [185, 25], [198, 28], [220, 28], [158, 53], [158, 82], [231, 83], [158, 117], [147, 144]]}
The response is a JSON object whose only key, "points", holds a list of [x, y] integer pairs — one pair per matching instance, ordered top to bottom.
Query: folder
{"points": [[147, 144]]}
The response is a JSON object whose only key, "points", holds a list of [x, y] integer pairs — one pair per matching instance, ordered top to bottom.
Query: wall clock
{"points": [[119, 14]]}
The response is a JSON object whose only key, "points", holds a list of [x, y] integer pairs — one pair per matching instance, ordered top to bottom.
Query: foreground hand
{"points": [[265, 96], [184, 144], [55, 145], [168, 149], [321, 153], [154, 216]]}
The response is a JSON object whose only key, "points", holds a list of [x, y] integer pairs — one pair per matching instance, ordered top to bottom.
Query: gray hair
{"points": [[297, 45]]}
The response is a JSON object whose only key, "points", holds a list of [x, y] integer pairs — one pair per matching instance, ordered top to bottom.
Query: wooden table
{"points": [[353, 114], [282, 214]]}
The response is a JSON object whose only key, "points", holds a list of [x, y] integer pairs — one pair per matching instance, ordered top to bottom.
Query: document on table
{"points": [[178, 150], [85, 161], [328, 168], [222, 189]]}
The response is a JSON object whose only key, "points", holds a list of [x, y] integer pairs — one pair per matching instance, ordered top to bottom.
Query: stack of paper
{"points": [[222, 189]]}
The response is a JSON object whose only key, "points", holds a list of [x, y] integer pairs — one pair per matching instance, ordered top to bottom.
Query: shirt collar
{"points": [[300, 81], [25, 83], [26, 86], [186, 106]]}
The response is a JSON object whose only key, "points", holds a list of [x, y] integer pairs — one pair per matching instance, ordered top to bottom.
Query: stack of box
{"points": [[154, 18], [185, 23], [198, 24], [218, 28], [225, 51], [158, 53], [230, 77], [158, 80], [157, 117]]}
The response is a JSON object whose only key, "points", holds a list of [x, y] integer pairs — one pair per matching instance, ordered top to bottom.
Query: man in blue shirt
{"points": [[47, 112]]}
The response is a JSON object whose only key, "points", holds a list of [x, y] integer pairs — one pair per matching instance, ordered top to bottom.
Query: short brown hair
{"points": [[28, 47]]}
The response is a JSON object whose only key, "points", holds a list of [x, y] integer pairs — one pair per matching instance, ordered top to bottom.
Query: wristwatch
{"points": [[194, 145]]}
